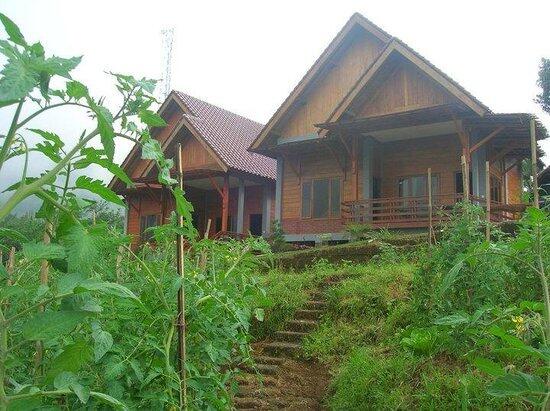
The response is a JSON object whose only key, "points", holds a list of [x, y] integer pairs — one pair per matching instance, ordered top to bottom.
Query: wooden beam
{"points": [[533, 133], [486, 139], [348, 150], [502, 153], [215, 184], [225, 203]]}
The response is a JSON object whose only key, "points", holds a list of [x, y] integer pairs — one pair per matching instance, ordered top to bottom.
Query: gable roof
{"points": [[355, 20], [393, 45], [396, 46], [224, 134], [229, 135]]}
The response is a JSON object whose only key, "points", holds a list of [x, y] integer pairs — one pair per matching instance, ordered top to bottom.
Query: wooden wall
{"points": [[355, 57], [405, 88], [195, 156], [411, 157], [513, 185]]}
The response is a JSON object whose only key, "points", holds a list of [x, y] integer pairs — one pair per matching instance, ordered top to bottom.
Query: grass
{"points": [[369, 313]]}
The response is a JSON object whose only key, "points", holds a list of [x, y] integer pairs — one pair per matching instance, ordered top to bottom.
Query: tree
{"points": [[543, 98]]}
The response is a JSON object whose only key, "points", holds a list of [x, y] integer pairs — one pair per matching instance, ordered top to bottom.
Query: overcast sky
{"points": [[247, 56]]}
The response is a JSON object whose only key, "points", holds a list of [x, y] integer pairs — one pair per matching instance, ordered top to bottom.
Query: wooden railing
{"points": [[414, 211]]}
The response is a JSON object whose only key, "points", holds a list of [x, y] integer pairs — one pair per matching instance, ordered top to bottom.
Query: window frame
{"points": [[434, 175], [310, 181], [148, 236]]}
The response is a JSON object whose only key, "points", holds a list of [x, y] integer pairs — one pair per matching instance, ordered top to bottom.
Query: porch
{"points": [[414, 212]]}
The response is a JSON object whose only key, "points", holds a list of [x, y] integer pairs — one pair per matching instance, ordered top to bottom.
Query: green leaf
{"points": [[13, 31], [56, 65], [17, 81], [76, 90], [151, 118], [105, 127], [52, 137], [49, 150], [151, 150], [94, 158], [97, 187], [12, 235], [82, 248], [41, 251], [451, 276], [104, 287], [259, 314], [453, 319], [52, 324], [103, 341], [71, 359], [488, 366], [67, 380], [517, 384], [116, 404]]}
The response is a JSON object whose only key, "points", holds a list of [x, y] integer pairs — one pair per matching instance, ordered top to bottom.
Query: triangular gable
{"points": [[320, 66], [427, 70], [199, 140], [136, 167]]}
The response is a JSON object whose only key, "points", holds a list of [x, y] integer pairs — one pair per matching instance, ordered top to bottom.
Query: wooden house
{"points": [[356, 137], [228, 185]]}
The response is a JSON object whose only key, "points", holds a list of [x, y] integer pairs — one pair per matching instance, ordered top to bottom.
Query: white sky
{"points": [[246, 56]]}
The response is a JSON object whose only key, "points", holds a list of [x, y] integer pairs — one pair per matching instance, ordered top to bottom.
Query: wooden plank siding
{"points": [[355, 56], [406, 88]]}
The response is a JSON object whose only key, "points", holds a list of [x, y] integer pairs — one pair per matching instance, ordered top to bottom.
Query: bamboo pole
{"points": [[534, 163], [488, 200], [430, 207], [118, 263], [10, 265], [181, 291]]}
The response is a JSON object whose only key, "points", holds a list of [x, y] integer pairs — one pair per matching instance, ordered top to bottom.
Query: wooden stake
{"points": [[534, 163], [488, 200], [430, 207], [208, 224], [118, 263], [10, 265], [44, 274], [181, 291]]}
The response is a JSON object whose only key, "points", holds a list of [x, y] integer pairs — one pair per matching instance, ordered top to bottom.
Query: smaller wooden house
{"points": [[228, 185]]}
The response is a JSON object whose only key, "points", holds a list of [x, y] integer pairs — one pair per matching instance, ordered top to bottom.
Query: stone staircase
{"points": [[281, 380]]}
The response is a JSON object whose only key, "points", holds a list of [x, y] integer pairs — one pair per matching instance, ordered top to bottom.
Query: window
{"points": [[417, 186], [459, 186], [496, 189], [321, 198], [145, 222]]}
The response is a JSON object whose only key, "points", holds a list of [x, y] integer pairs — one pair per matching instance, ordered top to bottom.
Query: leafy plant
{"points": [[96, 327]]}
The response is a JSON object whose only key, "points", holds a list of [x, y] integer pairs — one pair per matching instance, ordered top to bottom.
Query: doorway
{"points": [[255, 225]]}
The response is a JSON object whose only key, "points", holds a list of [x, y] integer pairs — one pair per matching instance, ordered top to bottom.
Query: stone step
{"points": [[317, 295], [316, 305], [308, 314], [302, 325], [290, 336], [283, 348], [265, 359], [264, 369], [247, 380], [251, 392], [248, 403]]}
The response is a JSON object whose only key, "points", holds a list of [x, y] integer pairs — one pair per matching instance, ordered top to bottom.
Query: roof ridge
{"points": [[217, 107]]}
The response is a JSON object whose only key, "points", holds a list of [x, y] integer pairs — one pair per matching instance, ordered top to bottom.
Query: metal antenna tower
{"points": [[167, 42]]}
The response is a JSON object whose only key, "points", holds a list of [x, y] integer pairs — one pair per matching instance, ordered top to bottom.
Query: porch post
{"points": [[534, 163], [368, 168], [478, 168], [279, 189], [225, 202], [240, 207], [266, 209]]}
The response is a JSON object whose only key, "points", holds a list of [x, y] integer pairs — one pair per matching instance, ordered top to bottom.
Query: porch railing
{"points": [[414, 211]]}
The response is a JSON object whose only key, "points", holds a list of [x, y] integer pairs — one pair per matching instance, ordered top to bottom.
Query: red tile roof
{"points": [[229, 135]]}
